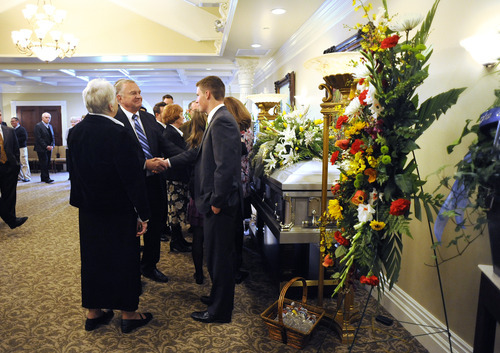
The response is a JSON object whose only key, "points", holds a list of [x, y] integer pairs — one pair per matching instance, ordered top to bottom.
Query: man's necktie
{"points": [[142, 138], [3, 155]]}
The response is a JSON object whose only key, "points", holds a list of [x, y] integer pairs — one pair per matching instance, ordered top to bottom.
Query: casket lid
{"points": [[305, 175]]}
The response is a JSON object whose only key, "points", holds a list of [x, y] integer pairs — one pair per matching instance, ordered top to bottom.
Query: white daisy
{"points": [[405, 23]]}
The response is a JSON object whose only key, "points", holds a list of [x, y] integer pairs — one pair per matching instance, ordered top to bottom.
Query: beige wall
{"points": [[450, 67]]}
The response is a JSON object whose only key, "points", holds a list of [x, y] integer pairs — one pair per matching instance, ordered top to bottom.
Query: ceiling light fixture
{"points": [[278, 11], [43, 41], [256, 45]]}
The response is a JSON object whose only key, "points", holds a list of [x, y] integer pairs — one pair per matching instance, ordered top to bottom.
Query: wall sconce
{"points": [[484, 48]]}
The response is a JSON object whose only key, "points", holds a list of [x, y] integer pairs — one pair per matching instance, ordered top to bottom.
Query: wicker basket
{"points": [[277, 330]]}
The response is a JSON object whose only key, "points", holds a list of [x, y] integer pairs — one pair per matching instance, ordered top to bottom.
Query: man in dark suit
{"points": [[148, 134], [22, 137], [44, 144], [9, 169], [109, 190], [217, 196]]}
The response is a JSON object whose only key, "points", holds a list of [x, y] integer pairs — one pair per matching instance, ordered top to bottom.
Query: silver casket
{"points": [[287, 205]]}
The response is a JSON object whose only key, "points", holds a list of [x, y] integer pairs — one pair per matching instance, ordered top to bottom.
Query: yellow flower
{"points": [[318, 121], [285, 124], [301, 128], [372, 161], [335, 210], [376, 225]]}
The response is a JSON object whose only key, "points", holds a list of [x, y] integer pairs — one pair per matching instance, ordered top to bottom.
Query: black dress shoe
{"points": [[49, 181], [19, 221], [164, 237], [185, 242], [178, 247], [156, 275], [240, 276], [205, 299], [206, 317], [104, 319], [130, 325]]}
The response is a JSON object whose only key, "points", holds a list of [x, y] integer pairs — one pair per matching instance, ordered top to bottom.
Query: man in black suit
{"points": [[148, 134], [22, 137], [44, 144], [9, 169], [108, 187], [217, 196]]}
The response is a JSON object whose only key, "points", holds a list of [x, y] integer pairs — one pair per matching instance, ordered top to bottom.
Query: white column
{"points": [[245, 77]]}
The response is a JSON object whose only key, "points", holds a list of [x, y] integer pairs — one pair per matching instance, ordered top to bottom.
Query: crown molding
{"points": [[327, 16]]}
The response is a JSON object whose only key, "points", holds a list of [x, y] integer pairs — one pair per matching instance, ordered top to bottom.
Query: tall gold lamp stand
{"points": [[336, 70]]}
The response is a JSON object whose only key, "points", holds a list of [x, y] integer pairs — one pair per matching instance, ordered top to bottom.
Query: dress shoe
{"points": [[25, 180], [48, 181], [19, 221], [164, 237], [185, 242], [178, 247], [156, 275], [240, 276], [199, 278], [205, 299], [206, 317], [104, 319], [132, 324]]}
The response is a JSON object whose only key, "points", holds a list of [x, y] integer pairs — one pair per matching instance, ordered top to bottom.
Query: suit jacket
{"points": [[22, 136], [43, 138], [11, 145], [159, 146], [218, 163], [106, 173], [176, 174]]}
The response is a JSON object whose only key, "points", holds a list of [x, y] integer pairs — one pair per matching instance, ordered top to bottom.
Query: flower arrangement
{"points": [[375, 136], [288, 139]]}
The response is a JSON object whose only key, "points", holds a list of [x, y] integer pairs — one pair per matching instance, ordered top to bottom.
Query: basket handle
{"points": [[283, 292]]}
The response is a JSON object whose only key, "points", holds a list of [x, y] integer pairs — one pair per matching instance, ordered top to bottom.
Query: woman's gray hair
{"points": [[98, 95]]}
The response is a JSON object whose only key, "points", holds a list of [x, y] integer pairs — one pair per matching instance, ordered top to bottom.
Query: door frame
{"points": [[62, 104]]}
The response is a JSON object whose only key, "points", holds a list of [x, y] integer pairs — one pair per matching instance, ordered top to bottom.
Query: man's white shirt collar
{"points": [[212, 113]]}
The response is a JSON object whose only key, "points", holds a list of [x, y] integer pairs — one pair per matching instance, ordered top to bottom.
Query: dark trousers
{"points": [[44, 160], [8, 184], [219, 239], [152, 243]]}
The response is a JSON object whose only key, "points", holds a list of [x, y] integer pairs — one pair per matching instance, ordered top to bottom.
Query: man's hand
{"points": [[49, 148], [156, 165], [215, 210], [141, 228]]}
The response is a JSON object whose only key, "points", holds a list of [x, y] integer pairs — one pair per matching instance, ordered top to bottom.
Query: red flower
{"points": [[389, 42], [361, 81], [362, 97], [342, 119], [344, 144], [356, 145], [334, 157], [335, 188], [359, 197], [399, 207], [340, 239], [328, 262], [370, 280]]}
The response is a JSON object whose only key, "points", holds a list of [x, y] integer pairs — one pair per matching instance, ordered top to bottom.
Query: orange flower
{"points": [[344, 144], [334, 157], [371, 173], [335, 188], [359, 197], [328, 262], [370, 280]]}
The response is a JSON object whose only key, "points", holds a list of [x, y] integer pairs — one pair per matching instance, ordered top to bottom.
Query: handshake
{"points": [[157, 165]]}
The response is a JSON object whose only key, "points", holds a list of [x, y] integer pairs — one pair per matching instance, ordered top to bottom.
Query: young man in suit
{"points": [[148, 134], [44, 144], [9, 169], [217, 196]]}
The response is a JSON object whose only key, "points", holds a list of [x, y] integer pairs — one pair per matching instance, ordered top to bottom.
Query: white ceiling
{"points": [[164, 45]]}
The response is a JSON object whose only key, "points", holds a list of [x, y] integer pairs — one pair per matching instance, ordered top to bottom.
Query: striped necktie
{"points": [[142, 138]]}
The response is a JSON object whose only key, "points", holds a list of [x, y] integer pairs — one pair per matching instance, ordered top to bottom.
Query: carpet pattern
{"points": [[40, 303]]}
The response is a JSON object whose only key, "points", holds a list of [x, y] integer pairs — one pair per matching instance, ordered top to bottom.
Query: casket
{"points": [[287, 205]]}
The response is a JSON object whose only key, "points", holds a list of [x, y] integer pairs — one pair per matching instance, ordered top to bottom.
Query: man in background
{"points": [[168, 99], [157, 109], [22, 137], [44, 144], [9, 169]]}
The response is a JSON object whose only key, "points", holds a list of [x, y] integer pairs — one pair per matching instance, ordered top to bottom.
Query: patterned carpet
{"points": [[40, 308]]}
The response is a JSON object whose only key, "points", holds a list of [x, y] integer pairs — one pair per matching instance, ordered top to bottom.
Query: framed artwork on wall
{"points": [[287, 86]]}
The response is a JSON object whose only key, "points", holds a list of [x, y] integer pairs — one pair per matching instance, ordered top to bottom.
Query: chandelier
{"points": [[44, 41]]}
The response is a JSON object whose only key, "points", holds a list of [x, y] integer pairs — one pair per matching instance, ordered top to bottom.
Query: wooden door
{"points": [[29, 116]]}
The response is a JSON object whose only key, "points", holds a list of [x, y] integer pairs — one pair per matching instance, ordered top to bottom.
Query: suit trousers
{"points": [[44, 160], [8, 184], [157, 203], [219, 230]]}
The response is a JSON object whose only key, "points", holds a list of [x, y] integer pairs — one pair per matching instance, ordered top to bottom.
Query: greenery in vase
{"points": [[375, 138]]}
